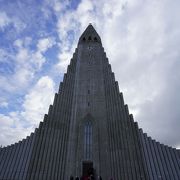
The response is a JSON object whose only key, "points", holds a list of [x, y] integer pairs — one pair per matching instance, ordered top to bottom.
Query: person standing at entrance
{"points": [[99, 178]]}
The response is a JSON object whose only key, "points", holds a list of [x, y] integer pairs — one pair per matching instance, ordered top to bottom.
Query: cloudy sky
{"points": [[142, 41]]}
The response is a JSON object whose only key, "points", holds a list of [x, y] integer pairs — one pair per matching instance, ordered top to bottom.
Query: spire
{"points": [[90, 35]]}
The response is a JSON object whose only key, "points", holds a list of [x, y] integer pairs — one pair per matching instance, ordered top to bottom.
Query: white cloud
{"points": [[57, 5], [85, 7], [4, 20], [141, 40], [45, 43], [22, 56], [64, 58], [142, 59], [38, 60], [27, 62], [23, 77], [6, 85], [38, 100], [3, 102], [5, 120], [19, 124], [11, 129]]}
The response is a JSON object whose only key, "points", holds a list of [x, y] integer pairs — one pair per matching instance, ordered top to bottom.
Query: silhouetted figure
{"points": [[92, 177], [71, 178], [77, 178], [99, 178]]}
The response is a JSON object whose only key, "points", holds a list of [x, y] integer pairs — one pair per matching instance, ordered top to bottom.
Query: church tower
{"points": [[88, 130]]}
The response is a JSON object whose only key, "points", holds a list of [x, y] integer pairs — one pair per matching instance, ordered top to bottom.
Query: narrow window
{"points": [[89, 38], [84, 39], [95, 39], [88, 91], [88, 103], [87, 140]]}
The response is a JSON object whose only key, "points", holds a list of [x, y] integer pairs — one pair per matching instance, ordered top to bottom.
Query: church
{"points": [[88, 131]]}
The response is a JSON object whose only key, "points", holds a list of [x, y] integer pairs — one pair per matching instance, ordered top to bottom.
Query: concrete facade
{"points": [[89, 125]]}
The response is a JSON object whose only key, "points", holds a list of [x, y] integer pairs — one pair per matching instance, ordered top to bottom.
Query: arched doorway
{"points": [[87, 167]]}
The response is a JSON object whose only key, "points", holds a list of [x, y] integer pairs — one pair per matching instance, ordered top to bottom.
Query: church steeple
{"points": [[89, 35], [88, 130]]}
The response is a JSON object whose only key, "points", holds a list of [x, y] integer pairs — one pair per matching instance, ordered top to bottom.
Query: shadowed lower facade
{"points": [[88, 129]]}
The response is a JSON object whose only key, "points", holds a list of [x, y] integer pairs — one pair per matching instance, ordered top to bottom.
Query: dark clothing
{"points": [[92, 177]]}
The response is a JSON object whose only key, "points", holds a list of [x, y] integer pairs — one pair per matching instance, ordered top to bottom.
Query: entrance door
{"points": [[88, 168]]}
